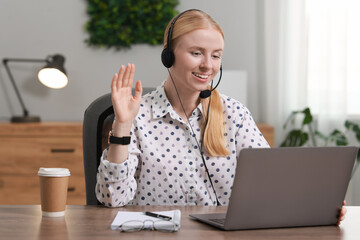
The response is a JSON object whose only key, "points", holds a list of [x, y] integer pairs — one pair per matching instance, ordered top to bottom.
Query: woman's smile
{"points": [[202, 77]]}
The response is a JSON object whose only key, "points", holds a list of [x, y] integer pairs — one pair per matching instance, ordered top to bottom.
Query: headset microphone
{"points": [[206, 93]]}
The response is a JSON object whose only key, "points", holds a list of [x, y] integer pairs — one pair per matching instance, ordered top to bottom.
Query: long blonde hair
{"points": [[213, 132]]}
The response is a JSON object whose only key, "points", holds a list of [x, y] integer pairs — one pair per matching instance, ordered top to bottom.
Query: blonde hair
{"points": [[212, 131]]}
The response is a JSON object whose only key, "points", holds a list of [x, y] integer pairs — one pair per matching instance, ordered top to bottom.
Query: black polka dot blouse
{"points": [[165, 167]]}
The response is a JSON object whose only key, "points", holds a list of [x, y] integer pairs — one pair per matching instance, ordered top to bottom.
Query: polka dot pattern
{"points": [[164, 166]]}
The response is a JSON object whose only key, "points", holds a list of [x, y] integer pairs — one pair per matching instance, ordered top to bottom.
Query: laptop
{"points": [[286, 187]]}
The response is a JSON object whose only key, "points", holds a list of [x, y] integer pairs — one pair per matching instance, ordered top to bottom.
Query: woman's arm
{"points": [[126, 108], [248, 134], [116, 184]]}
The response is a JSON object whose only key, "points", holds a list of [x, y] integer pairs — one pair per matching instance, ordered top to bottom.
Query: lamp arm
{"points": [[5, 62]]}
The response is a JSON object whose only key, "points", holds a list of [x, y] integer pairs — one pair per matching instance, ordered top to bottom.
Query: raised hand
{"points": [[126, 106]]}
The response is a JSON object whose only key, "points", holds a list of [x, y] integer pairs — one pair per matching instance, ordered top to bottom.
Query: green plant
{"points": [[120, 23], [298, 137]]}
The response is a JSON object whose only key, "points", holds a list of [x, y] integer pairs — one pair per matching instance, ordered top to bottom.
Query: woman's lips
{"points": [[201, 77]]}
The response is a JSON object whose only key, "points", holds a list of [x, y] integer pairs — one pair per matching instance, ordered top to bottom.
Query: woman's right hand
{"points": [[126, 106]]}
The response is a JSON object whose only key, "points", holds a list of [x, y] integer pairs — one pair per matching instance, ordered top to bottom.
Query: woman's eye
{"points": [[196, 53], [216, 56]]}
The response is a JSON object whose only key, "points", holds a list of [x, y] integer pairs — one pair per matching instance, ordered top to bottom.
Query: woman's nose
{"points": [[206, 62]]}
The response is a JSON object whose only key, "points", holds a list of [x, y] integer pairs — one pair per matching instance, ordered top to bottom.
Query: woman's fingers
{"points": [[132, 73], [125, 76], [119, 80], [125, 80], [114, 82], [138, 91], [342, 213], [340, 220]]}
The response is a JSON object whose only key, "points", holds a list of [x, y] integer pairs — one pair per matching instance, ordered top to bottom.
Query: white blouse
{"points": [[165, 167]]}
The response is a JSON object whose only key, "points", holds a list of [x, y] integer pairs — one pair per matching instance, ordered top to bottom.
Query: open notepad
{"points": [[122, 217]]}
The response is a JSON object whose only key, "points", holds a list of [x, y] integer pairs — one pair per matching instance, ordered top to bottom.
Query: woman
{"points": [[182, 151]]}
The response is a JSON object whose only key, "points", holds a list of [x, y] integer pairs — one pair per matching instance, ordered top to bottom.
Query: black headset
{"points": [[167, 55]]}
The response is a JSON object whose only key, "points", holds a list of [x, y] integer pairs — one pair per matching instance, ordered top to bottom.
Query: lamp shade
{"points": [[53, 75]]}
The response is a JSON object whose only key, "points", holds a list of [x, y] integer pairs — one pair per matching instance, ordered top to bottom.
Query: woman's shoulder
{"points": [[150, 93], [152, 102], [233, 105], [235, 111]]}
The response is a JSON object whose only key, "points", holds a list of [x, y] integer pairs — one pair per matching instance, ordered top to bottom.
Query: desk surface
{"points": [[93, 222]]}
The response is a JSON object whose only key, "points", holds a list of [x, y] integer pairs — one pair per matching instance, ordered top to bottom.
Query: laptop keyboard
{"points": [[218, 220]]}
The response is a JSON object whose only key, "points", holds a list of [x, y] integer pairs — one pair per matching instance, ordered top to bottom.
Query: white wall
{"points": [[37, 28]]}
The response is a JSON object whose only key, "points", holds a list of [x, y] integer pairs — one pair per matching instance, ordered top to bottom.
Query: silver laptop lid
{"points": [[287, 187]]}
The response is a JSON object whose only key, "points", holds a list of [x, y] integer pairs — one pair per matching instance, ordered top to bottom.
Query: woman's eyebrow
{"points": [[203, 49]]}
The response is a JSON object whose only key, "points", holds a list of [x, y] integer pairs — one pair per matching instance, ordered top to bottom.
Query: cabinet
{"points": [[268, 133], [24, 148]]}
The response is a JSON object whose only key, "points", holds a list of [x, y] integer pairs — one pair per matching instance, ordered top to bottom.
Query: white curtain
{"points": [[309, 56], [333, 60], [282, 61]]}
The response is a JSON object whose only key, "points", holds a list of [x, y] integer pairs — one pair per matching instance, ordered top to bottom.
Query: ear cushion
{"points": [[167, 58]]}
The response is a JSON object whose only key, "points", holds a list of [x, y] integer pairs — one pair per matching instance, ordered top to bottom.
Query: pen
{"points": [[163, 217]]}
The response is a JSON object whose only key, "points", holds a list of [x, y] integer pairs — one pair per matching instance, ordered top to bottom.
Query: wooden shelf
{"points": [[268, 132], [25, 147]]}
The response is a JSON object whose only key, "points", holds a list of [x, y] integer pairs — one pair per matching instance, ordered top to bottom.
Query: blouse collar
{"points": [[161, 105]]}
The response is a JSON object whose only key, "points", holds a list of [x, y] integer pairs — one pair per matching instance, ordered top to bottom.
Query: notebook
{"points": [[286, 187], [126, 216]]}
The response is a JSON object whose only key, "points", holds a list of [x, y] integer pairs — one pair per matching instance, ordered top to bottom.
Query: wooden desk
{"points": [[93, 222]]}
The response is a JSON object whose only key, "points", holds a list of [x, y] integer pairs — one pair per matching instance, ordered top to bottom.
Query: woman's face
{"points": [[197, 59]]}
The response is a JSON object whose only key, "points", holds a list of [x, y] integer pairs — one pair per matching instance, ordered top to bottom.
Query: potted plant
{"points": [[306, 134]]}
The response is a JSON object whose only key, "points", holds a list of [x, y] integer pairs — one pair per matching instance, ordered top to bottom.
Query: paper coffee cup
{"points": [[53, 190]]}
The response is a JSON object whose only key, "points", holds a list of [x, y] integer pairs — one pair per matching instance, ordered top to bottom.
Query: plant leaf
{"points": [[121, 23], [308, 117], [348, 124], [321, 135], [295, 138], [339, 138]]}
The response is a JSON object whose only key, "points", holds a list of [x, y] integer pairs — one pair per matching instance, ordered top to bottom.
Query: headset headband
{"points": [[167, 56]]}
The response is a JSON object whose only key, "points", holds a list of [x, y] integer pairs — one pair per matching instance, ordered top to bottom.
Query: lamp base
{"points": [[25, 119]]}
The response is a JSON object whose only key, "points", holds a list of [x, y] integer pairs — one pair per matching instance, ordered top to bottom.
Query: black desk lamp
{"points": [[53, 75]]}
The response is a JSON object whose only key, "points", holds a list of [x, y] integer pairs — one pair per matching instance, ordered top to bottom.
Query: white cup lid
{"points": [[54, 172]]}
